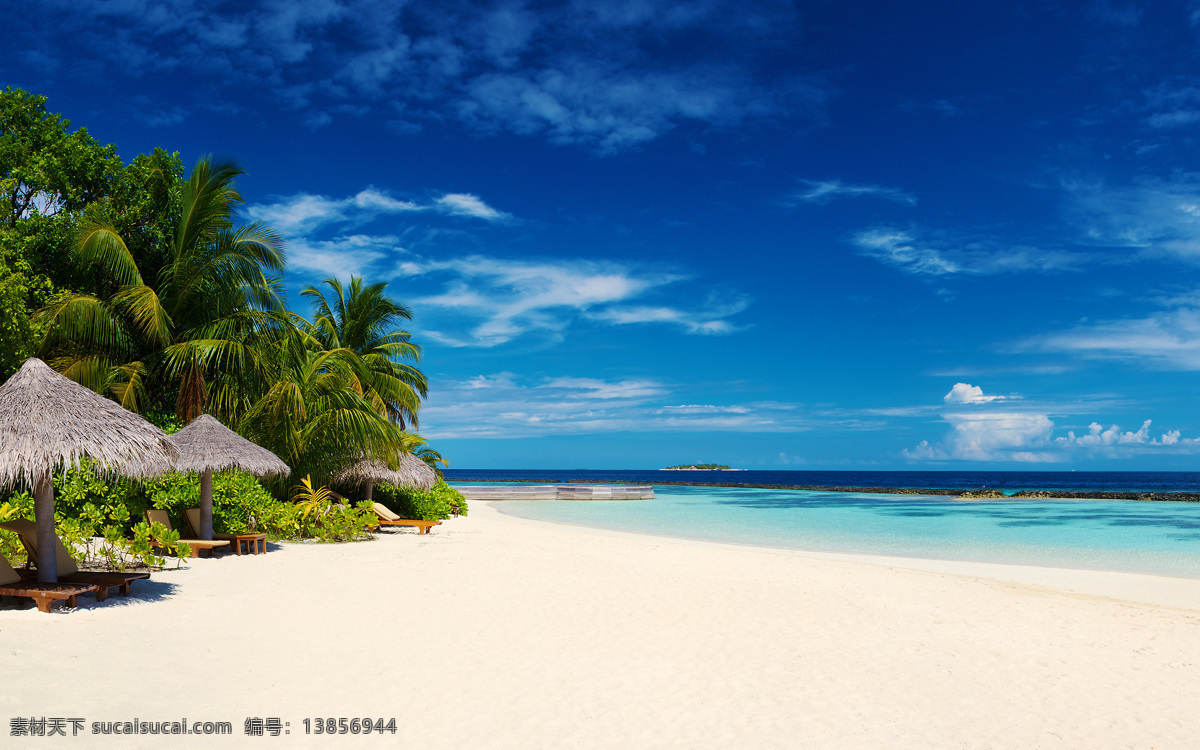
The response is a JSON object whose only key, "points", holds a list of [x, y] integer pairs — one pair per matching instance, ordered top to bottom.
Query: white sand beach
{"points": [[494, 632]]}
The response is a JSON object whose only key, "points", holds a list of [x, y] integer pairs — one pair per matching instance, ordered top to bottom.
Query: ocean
{"points": [[1159, 537]]}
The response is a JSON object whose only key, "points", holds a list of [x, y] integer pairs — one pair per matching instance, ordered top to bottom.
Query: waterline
{"points": [[1109, 535]]}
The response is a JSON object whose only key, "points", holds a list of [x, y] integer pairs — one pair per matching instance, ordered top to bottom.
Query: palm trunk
{"points": [[370, 490], [205, 530], [47, 541]]}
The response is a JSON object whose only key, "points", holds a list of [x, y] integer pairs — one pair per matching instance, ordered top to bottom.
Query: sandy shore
{"points": [[500, 633]]}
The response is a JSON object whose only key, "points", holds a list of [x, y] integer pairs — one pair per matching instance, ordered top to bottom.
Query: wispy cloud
{"points": [[574, 73], [825, 191], [305, 212], [1156, 217], [945, 255], [512, 298], [481, 300], [1166, 340], [506, 405]]}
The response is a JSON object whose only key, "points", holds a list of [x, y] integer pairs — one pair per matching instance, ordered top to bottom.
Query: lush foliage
{"points": [[142, 285], [181, 318], [364, 320], [241, 504], [433, 505], [100, 523]]}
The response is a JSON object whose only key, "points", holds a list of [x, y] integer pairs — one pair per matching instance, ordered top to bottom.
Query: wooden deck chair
{"points": [[193, 518], [388, 518], [196, 545], [68, 572], [43, 594]]}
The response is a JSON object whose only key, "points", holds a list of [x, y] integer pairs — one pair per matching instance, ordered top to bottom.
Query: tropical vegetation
{"points": [[141, 282]]}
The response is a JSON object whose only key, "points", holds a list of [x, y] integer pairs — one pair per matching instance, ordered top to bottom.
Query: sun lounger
{"points": [[193, 518], [388, 518], [26, 530], [197, 545], [43, 594]]}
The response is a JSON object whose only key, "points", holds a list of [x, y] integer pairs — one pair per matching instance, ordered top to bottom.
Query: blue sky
{"points": [[927, 235]]}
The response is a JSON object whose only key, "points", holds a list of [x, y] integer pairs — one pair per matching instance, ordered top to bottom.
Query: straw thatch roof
{"points": [[48, 422], [208, 445], [413, 472]]}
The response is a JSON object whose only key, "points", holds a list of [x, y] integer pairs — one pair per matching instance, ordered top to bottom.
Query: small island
{"points": [[698, 467]]}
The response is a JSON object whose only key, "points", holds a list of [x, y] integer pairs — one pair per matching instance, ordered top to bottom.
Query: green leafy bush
{"points": [[238, 497], [432, 505]]}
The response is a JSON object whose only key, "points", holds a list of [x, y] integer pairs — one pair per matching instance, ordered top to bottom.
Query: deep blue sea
{"points": [[1124, 535]]}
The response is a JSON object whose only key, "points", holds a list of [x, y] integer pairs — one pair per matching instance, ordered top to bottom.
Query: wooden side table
{"points": [[253, 541]]}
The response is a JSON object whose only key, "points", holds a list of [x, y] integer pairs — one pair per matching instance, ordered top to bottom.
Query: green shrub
{"points": [[238, 497], [423, 505], [94, 520]]}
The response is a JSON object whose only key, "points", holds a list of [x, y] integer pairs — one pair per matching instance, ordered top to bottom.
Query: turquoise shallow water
{"points": [[1124, 535]]}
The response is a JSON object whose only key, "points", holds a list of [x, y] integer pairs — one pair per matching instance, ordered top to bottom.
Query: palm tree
{"points": [[364, 320], [195, 327], [313, 414], [419, 447]]}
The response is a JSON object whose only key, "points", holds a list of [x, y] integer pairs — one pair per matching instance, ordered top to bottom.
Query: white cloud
{"points": [[571, 72], [824, 191], [465, 204], [304, 212], [1155, 217], [944, 256], [504, 299], [479, 300], [1169, 340], [965, 393], [504, 405], [999, 433], [983, 436]]}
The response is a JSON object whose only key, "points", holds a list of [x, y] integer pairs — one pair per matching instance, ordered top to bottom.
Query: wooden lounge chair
{"points": [[388, 518], [193, 519], [26, 530], [197, 545], [43, 594]]}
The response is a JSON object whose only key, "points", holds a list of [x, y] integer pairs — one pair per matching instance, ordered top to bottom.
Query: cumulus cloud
{"points": [[582, 73], [825, 191], [965, 393], [999, 433], [982, 436]]}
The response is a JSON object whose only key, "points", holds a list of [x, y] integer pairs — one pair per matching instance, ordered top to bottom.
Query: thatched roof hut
{"points": [[48, 422], [206, 446], [413, 472]]}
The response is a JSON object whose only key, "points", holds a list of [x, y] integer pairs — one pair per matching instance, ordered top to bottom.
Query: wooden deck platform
{"points": [[558, 492]]}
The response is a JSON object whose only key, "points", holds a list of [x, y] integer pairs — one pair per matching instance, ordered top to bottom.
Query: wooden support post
{"points": [[47, 541]]}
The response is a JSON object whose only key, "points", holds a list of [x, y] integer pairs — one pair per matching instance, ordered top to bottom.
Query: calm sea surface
{"points": [[1124, 535]]}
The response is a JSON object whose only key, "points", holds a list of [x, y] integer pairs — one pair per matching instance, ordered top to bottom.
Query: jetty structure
{"points": [[558, 492]]}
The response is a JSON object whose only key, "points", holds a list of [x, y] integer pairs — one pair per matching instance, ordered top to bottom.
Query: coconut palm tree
{"points": [[364, 320], [192, 330], [313, 414], [419, 447]]}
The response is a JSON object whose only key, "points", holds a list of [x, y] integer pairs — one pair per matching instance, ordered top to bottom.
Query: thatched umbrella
{"points": [[48, 422], [206, 446], [412, 472]]}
